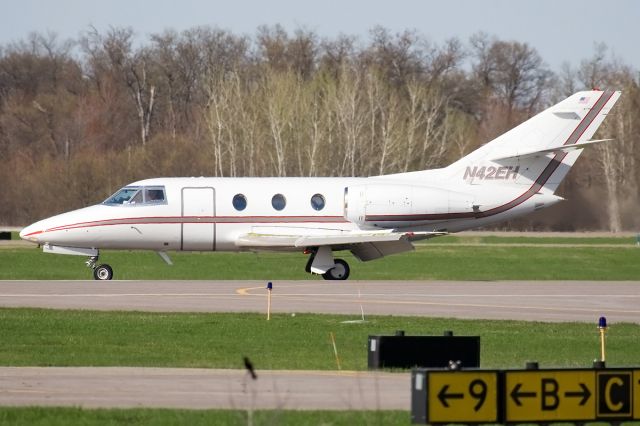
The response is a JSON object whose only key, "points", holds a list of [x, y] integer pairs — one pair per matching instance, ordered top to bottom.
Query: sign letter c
{"points": [[617, 406]]}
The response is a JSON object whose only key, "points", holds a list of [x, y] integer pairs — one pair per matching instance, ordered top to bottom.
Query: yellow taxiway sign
{"points": [[462, 396]]}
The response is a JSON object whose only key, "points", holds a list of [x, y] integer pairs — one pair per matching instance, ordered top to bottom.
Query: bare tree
{"points": [[113, 54], [334, 54], [398, 57], [513, 71], [351, 120], [616, 159]]}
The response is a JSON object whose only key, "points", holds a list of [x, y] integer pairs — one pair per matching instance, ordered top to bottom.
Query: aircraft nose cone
{"points": [[30, 234]]}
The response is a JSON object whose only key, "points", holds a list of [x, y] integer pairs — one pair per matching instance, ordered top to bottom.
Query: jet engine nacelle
{"points": [[396, 205]]}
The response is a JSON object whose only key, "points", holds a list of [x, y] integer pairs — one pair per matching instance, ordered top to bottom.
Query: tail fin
{"points": [[540, 151]]}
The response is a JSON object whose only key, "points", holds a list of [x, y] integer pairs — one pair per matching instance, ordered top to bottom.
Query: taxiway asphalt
{"points": [[582, 301], [194, 388]]}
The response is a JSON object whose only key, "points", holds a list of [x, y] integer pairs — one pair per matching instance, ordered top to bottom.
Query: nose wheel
{"points": [[102, 272]]}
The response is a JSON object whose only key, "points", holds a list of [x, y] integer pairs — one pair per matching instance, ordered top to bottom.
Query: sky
{"points": [[560, 30]]}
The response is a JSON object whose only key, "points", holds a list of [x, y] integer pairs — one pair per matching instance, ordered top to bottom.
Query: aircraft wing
{"points": [[364, 245]]}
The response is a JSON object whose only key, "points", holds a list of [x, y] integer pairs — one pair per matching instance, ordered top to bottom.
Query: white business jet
{"points": [[515, 174]]}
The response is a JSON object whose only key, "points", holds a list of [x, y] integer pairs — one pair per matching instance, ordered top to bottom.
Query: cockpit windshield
{"points": [[138, 195]]}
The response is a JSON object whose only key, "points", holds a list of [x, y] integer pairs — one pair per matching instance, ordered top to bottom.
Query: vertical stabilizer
{"points": [[538, 153]]}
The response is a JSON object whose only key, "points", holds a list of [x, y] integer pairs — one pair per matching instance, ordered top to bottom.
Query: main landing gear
{"points": [[321, 262], [102, 272], [339, 272]]}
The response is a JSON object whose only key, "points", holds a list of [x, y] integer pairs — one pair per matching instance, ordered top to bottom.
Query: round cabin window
{"points": [[239, 202], [278, 202], [317, 202]]}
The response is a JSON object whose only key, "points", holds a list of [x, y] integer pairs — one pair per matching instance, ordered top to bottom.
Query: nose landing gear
{"points": [[102, 272]]}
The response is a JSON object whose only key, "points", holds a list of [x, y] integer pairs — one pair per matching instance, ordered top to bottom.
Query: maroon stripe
{"points": [[419, 217], [200, 219]]}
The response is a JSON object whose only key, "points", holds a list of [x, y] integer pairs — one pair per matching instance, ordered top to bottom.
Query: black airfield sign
{"points": [[513, 396]]}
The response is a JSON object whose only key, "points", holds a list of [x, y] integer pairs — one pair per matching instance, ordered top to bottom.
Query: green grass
{"points": [[531, 240], [552, 240], [437, 262], [39, 337], [37, 416], [65, 416]]}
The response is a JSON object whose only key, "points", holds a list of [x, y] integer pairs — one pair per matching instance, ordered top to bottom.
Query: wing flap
{"points": [[351, 238], [260, 240], [370, 251]]}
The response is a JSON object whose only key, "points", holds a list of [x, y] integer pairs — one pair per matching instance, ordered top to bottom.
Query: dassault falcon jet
{"points": [[372, 217]]}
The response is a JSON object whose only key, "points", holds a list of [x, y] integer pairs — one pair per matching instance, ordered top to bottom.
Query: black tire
{"points": [[340, 272], [103, 273]]}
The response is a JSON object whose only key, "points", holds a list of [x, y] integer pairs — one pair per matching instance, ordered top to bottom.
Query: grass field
{"points": [[532, 239], [484, 258], [38, 337], [66, 416]]}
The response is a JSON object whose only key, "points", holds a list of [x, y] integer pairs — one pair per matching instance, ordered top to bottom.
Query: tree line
{"points": [[80, 118]]}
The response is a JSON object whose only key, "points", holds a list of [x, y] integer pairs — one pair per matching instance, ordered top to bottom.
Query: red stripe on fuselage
{"points": [[179, 220], [33, 233]]}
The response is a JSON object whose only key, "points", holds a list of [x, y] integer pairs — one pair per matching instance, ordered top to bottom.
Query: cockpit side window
{"points": [[136, 195], [154, 195], [123, 196], [136, 199]]}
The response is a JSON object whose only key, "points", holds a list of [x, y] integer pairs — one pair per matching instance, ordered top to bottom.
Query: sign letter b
{"points": [[549, 400]]}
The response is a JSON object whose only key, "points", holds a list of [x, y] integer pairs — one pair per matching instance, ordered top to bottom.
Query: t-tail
{"points": [[540, 151], [531, 160]]}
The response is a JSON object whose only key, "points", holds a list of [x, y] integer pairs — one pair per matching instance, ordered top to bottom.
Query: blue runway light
{"points": [[269, 285], [602, 322]]}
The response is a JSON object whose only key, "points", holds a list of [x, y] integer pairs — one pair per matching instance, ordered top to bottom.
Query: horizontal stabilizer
{"points": [[562, 148]]}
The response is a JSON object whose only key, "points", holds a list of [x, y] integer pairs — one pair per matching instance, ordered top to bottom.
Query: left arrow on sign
{"points": [[516, 394], [585, 394], [443, 395]]}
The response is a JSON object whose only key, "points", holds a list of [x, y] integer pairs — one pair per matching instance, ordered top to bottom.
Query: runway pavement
{"points": [[532, 301], [127, 387]]}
